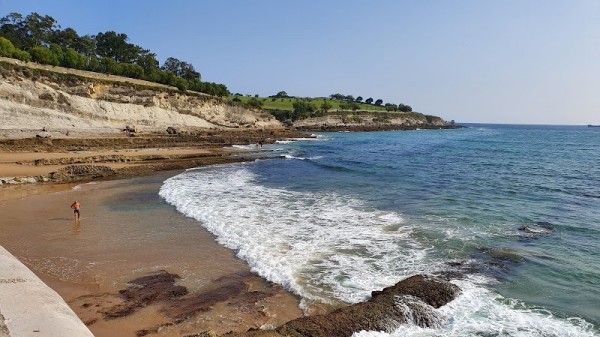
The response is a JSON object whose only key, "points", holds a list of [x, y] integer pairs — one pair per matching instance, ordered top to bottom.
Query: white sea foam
{"points": [[313, 137], [246, 147], [291, 156], [78, 187], [322, 246], [328, 247], [481, 312]]}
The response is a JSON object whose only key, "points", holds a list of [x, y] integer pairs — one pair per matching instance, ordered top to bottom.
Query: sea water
{"points": [[515, 209]]}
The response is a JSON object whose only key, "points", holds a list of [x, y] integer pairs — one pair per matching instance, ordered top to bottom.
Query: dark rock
{"points": [[171, 130], [81, 172], [541, 228], [535, 231], [152, 288], [232, 288], [147, 290], [409, 301], [142, 332], [208, 333]]}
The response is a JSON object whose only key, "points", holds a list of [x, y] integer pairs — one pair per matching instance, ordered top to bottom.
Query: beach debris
{"points": [[171, 130]]}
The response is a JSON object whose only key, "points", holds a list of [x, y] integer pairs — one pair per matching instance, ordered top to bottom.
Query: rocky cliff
{"points": [[33, 97], [372, 121]]}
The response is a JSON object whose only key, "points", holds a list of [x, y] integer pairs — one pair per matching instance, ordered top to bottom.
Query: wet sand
{"points": [[126, 231]]}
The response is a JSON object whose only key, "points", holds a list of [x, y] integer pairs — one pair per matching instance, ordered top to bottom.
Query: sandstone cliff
{"points": [[33, 97]]}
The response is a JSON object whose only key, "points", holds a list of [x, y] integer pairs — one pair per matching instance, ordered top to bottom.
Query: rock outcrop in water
{"points": [[410, 301]]}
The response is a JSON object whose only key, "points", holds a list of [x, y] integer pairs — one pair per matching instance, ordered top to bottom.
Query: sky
{"points": [[493, 61]]}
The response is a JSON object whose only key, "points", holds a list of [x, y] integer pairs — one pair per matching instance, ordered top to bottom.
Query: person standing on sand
{"points": [[76, 206]]}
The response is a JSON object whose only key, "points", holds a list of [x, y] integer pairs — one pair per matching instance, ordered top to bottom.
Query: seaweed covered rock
{"points": [[81, 172], [411, 301]]}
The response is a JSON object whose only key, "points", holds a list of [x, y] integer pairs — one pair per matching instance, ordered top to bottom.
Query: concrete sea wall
{"points": [[28, 307]]}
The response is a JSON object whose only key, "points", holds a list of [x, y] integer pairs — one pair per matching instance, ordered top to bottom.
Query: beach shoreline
{"points": [[94, 156], [127, 232]]}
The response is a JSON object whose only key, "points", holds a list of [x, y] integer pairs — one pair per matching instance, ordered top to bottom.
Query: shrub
{"points": [[6, 47], [21, 55], [43, 55], [72, 59], [181, 84], [254, 103]]}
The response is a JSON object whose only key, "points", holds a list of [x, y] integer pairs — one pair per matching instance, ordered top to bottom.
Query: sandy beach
{"points": [[127, 232]]}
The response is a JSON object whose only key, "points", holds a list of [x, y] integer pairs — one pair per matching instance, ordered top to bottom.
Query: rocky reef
{"points": [[411, 301]]}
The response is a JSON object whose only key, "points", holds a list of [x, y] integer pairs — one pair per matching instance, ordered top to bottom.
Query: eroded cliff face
{"points": [[33, 99], [365, 121]]}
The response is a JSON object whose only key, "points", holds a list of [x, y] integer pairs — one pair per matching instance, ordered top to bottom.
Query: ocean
{"points": [[513, 208]]}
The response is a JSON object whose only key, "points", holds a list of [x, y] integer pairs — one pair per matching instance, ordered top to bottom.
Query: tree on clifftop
{"points": [[116, 47], [150, 65], [180, 68], [281, 94], [369, 100], [325, 106], [390, 107], [404, 107], [302, 109]]}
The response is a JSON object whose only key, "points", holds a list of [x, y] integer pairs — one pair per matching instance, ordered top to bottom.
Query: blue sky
{"points": [[504, 61]]}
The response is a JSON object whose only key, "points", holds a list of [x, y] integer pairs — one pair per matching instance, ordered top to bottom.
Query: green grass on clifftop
{"points": [[286, 103]]}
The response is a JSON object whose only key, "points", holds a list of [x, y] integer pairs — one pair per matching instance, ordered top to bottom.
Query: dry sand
{"points": [[127, 231]]}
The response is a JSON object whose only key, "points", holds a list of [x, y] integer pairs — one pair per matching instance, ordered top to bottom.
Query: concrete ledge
{"points": [[28, 307]]}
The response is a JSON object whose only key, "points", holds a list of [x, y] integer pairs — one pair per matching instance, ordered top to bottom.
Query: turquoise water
{"points": [[514, 208]]}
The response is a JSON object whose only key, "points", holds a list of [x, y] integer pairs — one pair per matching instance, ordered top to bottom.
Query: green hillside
{"points": [[272, 103]]}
